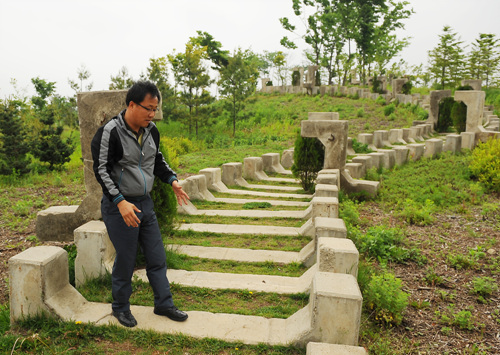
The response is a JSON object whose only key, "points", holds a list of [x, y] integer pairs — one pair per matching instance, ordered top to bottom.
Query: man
{"points": [[126, 159]]}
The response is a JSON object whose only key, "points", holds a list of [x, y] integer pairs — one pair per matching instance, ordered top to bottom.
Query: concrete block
{"points": [[474, 100], [323, 116], [423, 131], [416, 133], [409, 135], [396, 136], [367, 138], [381, 138], [468, 140], [453, 143], [433, 147], [350, 150], [416, 151], [402, 153], [287, 158], [388, 158], [377, 159], [366, 160], [271, 163], [253, 169], [356, 170], [232, 174], [213, 178], [327, 179], [356, 186], [196, 188], [326, 190], [325, 207], [57, 223], [326, 227], [95, 252], [337, 255], [35, 275], [335, 297], [334, 349]]}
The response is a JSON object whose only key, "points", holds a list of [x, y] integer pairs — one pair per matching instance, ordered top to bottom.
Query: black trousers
{"points": [[125, 240]]}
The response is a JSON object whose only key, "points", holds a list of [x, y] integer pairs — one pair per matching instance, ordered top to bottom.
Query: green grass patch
{"points": [[253, 197], [215, 205], [272, 221], [248, 241], [245, 302]]}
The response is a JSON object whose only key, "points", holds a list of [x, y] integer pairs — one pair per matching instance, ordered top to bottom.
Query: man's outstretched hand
{"points": [[182, 196], [127, 210]]}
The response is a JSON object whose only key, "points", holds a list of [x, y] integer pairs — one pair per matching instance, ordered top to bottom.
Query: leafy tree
{"points": [[217, 55], [484, 58], [446, 60], [157, 72], [83, 75], [193, 78], [122, 80], [238, 81], [13, 145], [49, 147], [308, 160]]}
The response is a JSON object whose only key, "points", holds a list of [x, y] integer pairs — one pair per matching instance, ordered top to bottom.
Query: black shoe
{"points": [[172, 313], [125, 318]]}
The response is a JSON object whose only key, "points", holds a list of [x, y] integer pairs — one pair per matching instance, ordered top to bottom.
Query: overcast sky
{"points": [[51, 39]]}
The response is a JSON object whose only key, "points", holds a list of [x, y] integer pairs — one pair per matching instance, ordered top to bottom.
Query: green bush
{"points": [[406, 89], [381, 101], [389, 109], [360, 112], [459, 116], [444, 118], [359, 147], [308, 157], [485, 164], [164, 199], [416, 213], [484, 286], [385, 298]]}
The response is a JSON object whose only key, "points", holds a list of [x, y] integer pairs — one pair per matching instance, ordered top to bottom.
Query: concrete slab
{"points": [[334, 349]]}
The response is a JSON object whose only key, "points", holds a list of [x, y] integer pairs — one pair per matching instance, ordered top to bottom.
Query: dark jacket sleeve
{"points": [[106, 151], [162, 169]]}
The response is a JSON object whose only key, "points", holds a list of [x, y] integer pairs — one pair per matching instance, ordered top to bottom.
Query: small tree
{"points": [[122, 80], [444, 118], [13, 147], [308, 159]]}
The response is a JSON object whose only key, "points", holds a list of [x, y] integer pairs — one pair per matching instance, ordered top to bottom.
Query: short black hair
{"points": [[140, 89]]}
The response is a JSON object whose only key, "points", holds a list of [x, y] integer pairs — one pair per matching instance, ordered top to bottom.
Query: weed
{"points": [[389, 109], [254, 205], [415, 213], [434, 279], [484, 286]]}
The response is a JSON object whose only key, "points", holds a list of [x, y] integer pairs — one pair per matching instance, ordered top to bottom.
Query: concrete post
{"points": [[435, 97], [409, 135], [367, 138], [468, 140], [453, 143], [433, 147], [416, 151], [402, 153], [287, 158], [366, 160], [271, 163], [253, 169], [356, 170], [232, 174], [214, 179], [326, 190], [325, 207], [326, 227], [338, 256]]}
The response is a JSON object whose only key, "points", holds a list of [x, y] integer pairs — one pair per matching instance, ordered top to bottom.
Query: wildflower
{"points": [[250, 292], [78, 322]]}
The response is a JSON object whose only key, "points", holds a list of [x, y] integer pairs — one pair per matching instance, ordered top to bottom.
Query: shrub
{"points": [[377, 85], [406, 88], [381, 101], [389, 109], [360, 112], [459, 116], [392, 117], [444, 118], [359, 147], [308, 157], [485, 164], [164, 199], [415, 213], [484, 286], [384, 296]]}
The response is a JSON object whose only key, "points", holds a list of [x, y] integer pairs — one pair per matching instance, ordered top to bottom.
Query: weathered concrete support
{"points": [[476, 84], [397, 86], [435, 97], [475, 106], [333, 135], [409, 135], [396, 136], [367, 138], [381, 139], [468, 140], [453, 143], [433, 147], [350, 150], [416, 151], [402, 153], [287, 158], [388, 158], [377, 159], [366, 160], [271, 163], [253, 169], [356, 170], [232, 174], [214, 179], [355, 186], [196, 188], [326, 190], [325, 207], [55, 223], [326, 227], [95, 252], [338, 255], [36, 276]]}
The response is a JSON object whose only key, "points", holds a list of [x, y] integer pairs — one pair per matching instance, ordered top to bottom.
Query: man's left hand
{"points": [[182, 196]]}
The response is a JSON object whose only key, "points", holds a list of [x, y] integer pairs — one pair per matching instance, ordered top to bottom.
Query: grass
{"points": [[253, 197], [214, 205], [272, 221], [248, 241], [244, 302]]}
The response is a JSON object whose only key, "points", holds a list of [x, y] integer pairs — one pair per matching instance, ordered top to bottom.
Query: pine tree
{"points": [[308, 160]]}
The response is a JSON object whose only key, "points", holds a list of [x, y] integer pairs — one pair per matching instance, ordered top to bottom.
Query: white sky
{"points": [[53, 38]]}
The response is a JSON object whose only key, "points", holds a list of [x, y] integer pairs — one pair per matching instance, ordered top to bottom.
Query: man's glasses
{"points": [[149, 109]]}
